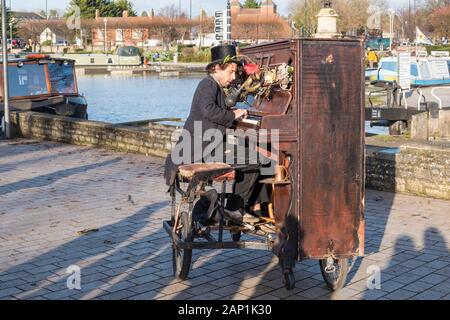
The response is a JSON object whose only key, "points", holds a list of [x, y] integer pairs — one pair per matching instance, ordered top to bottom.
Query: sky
{"points": [[208, 5]]}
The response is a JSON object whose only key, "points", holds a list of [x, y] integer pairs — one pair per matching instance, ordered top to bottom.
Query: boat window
{"points": [[128, 52], [448, 63], [390, 66], [414, 70], [425, 70], [62, 78], [28, 80]]}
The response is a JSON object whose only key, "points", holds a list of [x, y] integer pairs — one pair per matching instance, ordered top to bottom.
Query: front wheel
{"points": [[236, 237], [181, 258], [334, 272]]}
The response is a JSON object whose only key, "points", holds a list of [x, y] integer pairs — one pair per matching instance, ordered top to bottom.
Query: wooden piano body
{"points": [[320, 213]]}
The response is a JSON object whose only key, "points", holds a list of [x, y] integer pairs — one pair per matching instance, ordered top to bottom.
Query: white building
{"points": [[49, 35], [206, 40]]}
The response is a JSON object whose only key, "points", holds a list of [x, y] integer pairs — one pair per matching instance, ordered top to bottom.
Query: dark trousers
{"points": [[247, 190]]}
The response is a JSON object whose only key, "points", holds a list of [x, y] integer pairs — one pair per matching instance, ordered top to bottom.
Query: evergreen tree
{"points": [[251, 4], [119, 6], [107, 8], [53, 13], [144, 14], [11, 21]]}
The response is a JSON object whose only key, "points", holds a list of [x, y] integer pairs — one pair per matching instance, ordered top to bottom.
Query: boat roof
{"points": [[40, 59], [415, 59]]}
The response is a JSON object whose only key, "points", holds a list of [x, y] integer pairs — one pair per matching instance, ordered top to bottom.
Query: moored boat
{"points": [[425, 71], [40, 83]]}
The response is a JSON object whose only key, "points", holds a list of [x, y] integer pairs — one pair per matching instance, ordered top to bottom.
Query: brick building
{"points": [[261, 23], [119, 31]]}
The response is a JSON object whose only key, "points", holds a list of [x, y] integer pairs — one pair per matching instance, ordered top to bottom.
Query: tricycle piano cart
{"points": [[318, 211]]}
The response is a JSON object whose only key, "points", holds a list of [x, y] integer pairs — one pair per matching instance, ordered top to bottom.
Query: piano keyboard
{"points": [[251, 121]]}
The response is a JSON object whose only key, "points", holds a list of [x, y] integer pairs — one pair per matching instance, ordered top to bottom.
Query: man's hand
{"points": [[240, 113]]}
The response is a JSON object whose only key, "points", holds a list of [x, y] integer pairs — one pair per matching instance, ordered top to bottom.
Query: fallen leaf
{"points": [[86, 231]]}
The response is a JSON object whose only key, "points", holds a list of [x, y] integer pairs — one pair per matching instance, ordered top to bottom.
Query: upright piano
{"points": [[320, 212]]}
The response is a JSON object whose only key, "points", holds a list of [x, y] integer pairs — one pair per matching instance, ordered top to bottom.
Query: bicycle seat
{"points": [[205, 171]]}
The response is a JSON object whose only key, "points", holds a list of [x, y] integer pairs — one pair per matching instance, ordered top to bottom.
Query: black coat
{"points": [[208, 107]]}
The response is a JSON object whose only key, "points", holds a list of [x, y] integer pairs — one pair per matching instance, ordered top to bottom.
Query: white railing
{"points": [[419, 92], [436, 97]]}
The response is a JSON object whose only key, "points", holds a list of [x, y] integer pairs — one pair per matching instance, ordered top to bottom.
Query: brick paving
{"points": [[50, 192]]}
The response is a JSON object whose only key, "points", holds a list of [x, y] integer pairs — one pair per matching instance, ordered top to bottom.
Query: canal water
{"points": [[118, 99]]}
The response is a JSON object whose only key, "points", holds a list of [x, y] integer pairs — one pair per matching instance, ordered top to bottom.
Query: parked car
{"points": [[151, 43]]}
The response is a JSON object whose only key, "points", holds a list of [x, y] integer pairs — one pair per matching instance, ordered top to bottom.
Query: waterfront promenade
{"points": [[63, 205]]}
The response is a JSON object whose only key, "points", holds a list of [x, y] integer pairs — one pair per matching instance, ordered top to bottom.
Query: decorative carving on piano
{"points": [[260, 82]]}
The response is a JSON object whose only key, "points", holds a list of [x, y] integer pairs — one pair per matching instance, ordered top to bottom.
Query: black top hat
{"points": [[223, 54]]}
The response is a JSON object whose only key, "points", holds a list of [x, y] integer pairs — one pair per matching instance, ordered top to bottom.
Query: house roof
{"points": [[23, 15], [57, 33]]}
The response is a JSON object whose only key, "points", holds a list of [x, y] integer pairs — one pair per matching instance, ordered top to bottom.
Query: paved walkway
{"points": [[49, 192]]}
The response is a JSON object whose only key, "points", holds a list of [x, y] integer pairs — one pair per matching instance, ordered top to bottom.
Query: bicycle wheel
{"points": [[182, 258]]}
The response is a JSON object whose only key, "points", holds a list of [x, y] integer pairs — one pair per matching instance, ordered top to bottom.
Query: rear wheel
{"points": [[181, 258], [334, 272]]}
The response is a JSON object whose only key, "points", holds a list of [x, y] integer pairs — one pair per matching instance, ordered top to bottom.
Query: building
{"points": [[22, 16], [263, 23], [119, 31], [137, 31], [49, 35]]}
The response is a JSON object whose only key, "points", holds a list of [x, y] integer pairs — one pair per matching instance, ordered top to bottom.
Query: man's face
{"points": [[227, 75]]}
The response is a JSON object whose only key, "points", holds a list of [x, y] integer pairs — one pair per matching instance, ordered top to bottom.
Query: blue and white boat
{"points": [[429, 71]]}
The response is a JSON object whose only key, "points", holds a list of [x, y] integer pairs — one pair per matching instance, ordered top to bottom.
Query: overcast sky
{"points": [[209, 5]]}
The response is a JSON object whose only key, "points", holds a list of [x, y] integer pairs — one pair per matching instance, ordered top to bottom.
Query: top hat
{"points": [[223, 54]]}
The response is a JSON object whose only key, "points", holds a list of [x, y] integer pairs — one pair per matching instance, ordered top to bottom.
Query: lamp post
{"points": [[105, 21], [190, 21], [11, 23], [391, 27], [305, 28], [11, 35], [7, 126]]}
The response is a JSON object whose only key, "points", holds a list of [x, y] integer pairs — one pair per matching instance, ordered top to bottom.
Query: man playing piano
{"points": [[209, 111]]}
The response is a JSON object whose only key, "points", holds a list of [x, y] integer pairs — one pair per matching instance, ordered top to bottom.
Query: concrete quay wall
{"points": [[413, 169]]}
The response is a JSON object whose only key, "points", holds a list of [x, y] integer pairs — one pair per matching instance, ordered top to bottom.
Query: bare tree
{"points": [[353, 14], [440, 21], [31, 30]]}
